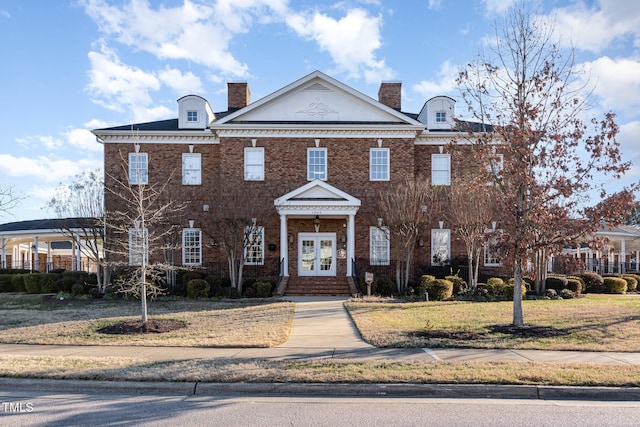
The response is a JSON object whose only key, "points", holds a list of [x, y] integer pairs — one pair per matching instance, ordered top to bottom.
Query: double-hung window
{"points": [[192, 116], [441, 117], [254, 164], [317, 164], [379, 164], [495, 166], [138, 168], [191, 169], [440, 169], [138, 245], [254, 245], [191, 246], [379, 246], [440, 246], [492, 250]]}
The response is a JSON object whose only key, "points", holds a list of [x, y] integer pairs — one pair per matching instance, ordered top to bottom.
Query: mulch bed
{"points": [[153, 326], [526, 331], [448, 334]]}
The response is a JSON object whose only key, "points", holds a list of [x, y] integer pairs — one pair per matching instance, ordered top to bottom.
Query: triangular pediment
{"points": [[317, 98], [317, 194]]}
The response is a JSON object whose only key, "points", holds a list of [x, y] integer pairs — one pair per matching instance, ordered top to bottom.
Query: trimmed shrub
{"points": [[189, 276], [17, 280], [556, 282], [593, 282], [632, 282], [5, 283], [31, 284], [64, 284], [574, 284], [215, 285], [459, 285], [495, 285], [615, 285], [384, 287], [197, 288], [421, 288], [77, 289], [263, 289], [440, 289], [508, 291], [550, 293], [566, 293]]}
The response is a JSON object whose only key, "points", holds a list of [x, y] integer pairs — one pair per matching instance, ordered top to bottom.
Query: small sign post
{"points": [[368, 277]]}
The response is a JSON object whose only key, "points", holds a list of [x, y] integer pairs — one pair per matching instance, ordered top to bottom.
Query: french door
{"points": [[317, 254]]}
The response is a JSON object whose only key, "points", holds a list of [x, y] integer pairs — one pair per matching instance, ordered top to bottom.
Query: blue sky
{"points": [[70, 66]]}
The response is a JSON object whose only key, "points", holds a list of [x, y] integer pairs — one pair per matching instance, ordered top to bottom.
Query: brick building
{"points": [[313, 154]]}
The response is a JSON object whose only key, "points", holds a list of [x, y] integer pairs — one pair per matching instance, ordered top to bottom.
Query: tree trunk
{"points": [[472, 281], [143, 294], [518, 316]]}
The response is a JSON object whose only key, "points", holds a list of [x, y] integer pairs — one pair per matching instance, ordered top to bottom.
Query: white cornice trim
{"points": [[294, 131], [169, 138]]}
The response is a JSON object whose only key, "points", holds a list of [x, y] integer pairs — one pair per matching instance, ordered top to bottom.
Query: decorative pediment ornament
{"points": [[318, 110]]}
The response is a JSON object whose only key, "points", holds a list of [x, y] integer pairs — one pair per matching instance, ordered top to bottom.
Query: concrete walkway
{"points": [[322, 329]]}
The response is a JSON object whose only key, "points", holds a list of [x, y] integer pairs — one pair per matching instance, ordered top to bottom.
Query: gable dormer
{"points": [[194, 112], [438, 113]]}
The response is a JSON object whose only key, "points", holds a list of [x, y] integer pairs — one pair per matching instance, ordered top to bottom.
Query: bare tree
{"points": [[528, 93], [8, 199], [82, 203], [406, 209], [472, 210], [138, 222], [235, 225]]}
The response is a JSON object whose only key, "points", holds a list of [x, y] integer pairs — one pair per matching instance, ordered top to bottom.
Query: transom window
{"points": [[192, 116], [441, 116], [254, 164], [317, 164], [379, 164], [138, 168], [191, 169], [440, 169], [254, 245], [191, 246], [379, 246], [440, 246]]}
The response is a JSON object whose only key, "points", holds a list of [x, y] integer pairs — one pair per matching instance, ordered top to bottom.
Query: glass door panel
{"points": [[316, 254]]}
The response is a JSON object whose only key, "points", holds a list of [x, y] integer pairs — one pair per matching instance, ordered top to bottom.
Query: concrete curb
{"points": [[478, 391]]}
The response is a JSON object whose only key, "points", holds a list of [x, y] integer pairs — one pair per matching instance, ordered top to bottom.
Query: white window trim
{"points": [[444, 113], [197, 116], [256, 150], [441, 156], [326, 164], [388, 164], [495, 167], [144, 175], [197, 178], [260, 230], [186, 231], [433, 233], [132, 256], [373, 260]]}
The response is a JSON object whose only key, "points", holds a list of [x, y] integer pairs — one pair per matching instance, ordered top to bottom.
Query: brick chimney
{"points": [[389, 94], [239, 95]]}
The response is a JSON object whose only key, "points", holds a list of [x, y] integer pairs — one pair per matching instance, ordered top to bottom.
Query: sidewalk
{"points": [[322, 329]]}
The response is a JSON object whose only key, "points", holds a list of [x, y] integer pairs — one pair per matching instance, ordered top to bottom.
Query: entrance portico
{"points": [[317, 250]]}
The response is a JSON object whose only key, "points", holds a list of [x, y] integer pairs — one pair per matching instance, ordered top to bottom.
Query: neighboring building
{"points": [[315, 152], [45, 244]]}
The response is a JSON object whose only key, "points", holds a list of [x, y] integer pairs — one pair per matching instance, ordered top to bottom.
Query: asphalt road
{"points": [[50, 408]]}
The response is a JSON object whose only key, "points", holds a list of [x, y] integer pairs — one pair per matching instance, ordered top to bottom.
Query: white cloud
{"points": [[497, 6], [4, 13], [594, 28], [351, 41], [181, 83], [617, 83], [115, 85], [444, 85], [82, 139], [45, 168]]}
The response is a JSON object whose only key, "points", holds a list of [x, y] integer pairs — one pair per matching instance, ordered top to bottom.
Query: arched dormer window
{"points": [[194, 112]]}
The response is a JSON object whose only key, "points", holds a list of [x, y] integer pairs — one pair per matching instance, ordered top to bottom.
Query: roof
{"points": [[45, 224]]}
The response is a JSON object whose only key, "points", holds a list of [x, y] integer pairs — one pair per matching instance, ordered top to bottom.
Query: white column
{"points": [[351, 243], [284, 245], [79, 254], [4, 255], [48, 255], [623, 256], [637, 260], [36, 261]]}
